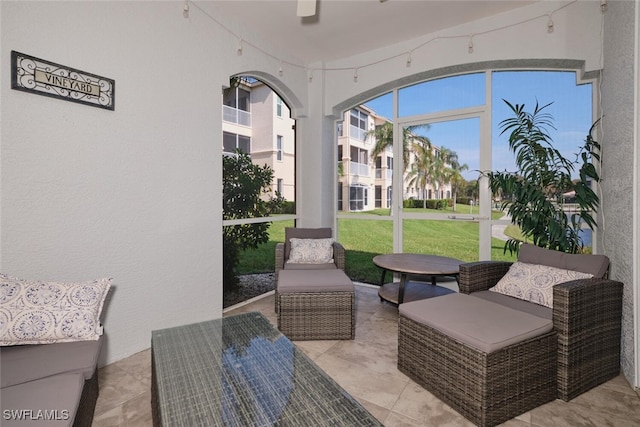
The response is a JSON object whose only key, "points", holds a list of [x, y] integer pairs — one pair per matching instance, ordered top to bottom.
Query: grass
{"points": [[364, 239]]}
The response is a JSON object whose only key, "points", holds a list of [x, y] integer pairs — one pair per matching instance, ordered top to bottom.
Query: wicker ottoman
{"points": [[316, 305], [488, 362]]}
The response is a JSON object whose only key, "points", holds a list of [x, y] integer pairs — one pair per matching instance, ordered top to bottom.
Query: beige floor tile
{"points": [[117, 386], [382, 389], [418, 404], [137, 411], [110, 418]]}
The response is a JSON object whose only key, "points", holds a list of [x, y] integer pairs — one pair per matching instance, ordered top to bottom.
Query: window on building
{"points": [[238, 98], [237, 104], [278, 106], [358, 124], [232, 141], [279, 148], [359, 155], [279, 186], [357, 198]]}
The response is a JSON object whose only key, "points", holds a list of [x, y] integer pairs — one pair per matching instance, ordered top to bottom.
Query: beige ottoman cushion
{"points": [[332, 280], [476, 322]]}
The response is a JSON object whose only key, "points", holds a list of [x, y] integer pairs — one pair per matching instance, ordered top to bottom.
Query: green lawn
{"points": [[364, 239]]}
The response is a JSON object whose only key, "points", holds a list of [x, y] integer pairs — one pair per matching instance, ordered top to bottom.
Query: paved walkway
{"points": [[497, 231]]}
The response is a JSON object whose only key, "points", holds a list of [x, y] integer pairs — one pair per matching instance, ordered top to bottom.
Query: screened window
{"points": [[238, 98], [358, 124], [232, 141], [443, 193], [357, 198]]}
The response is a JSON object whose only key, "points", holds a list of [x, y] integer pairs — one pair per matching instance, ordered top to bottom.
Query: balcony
{"points": [[233, 115], [357, 133], [360, 169], [380, 173]]}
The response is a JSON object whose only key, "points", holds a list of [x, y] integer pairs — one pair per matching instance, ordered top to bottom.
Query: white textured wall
{"points": [[618, 165], [134, 193]]}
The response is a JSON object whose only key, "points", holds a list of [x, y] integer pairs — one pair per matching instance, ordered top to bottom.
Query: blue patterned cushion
{"points": [[311, 251], [535, 282], [48, 312]]}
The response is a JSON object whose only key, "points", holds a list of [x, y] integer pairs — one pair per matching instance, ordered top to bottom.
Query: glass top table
{"points": [[241, 371]]}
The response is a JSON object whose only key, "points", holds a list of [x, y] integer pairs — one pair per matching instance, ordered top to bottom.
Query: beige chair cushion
{"points": [[597, 265], [301, 266], [515, 303], [25, 363]]}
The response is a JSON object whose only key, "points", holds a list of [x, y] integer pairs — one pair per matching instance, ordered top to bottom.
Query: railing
{"points": [[233, 115], [357, 133], [360, 169], [389, 174]]}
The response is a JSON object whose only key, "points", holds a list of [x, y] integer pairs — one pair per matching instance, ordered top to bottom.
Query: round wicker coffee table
{"points": [[431, 266]]}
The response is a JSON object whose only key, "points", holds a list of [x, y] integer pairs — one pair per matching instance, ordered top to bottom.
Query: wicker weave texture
{"points": [[338, 258], [482, 275], [317, 315], [587, 316], [487, 389]]}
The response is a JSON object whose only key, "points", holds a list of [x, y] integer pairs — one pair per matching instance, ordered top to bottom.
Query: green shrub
{"points": [[246, 194]]}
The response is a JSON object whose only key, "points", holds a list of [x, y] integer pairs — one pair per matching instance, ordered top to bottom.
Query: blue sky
{"points": [[571, 109]]}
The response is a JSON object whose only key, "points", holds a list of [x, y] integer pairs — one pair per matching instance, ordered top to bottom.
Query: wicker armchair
{"points": [[283, 249], [587, 317]]}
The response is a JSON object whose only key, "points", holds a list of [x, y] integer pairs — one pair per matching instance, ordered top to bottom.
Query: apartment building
{"points": [[257, 121], [365, 183]]}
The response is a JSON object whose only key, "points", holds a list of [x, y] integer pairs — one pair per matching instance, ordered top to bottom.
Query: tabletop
{"points": [[421, 264]]}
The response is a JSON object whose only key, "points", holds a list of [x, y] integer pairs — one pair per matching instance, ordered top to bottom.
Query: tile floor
{"points": [[366, 368]]}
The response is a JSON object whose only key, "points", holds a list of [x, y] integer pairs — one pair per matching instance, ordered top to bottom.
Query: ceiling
{"points": [[343, 28]]}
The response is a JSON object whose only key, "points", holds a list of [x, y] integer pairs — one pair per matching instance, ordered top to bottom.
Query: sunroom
{"points": [[134, 193]]}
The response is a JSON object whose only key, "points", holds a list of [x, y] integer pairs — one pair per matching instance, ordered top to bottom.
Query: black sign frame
{"points": [[35, 75]]}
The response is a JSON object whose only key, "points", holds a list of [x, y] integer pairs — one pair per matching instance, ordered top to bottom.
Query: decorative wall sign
{"points": [[46, 78]]}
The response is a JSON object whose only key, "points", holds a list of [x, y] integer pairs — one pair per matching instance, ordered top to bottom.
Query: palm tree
{"points": [[383, 137], [420, 169], [453, 173]]}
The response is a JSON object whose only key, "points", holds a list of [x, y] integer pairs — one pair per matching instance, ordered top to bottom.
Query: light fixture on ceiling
{"points": [[603, 6], [306, 8], [185, 9]]}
